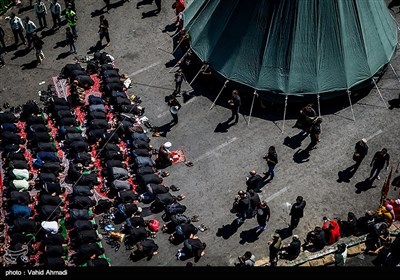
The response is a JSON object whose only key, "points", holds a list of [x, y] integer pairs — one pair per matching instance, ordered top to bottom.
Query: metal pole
{"points": [[171, 37], [179, 61], [201, 69], [394, 71], [380, 93], [252, 104], [351, 105], [212, 106], [319, 106], [284, 114]]}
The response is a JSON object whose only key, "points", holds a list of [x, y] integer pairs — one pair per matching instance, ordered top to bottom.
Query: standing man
{"points": [[55, 9], [41, 12], [71, 17], [17, 28], [30, 28], [103, 30], [70, 40], [3, 45], [38, 46], [179, 77], [235, 103], [174, 107], [314, 134], [360, 151], [272, 161], [378, 162], [253, 181], [297, 212], [263, 215]]}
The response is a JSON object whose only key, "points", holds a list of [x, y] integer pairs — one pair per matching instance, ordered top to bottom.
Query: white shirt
{"points": [[51, 227]]}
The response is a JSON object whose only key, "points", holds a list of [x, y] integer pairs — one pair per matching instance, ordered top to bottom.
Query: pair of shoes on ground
{"points": [[189, 163], [164, 174], [174, 188], [180, 197], [202, 228]]}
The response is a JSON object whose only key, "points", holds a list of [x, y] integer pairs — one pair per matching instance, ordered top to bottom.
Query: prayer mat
{"points": [[178, 156]]}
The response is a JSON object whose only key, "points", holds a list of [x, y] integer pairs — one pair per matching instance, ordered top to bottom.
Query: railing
{"points": [[4, 5]]}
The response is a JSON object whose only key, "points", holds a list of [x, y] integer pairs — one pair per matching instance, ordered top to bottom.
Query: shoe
{"points": [[108, 44], [174, 188], [180, 197], [195, 218]]}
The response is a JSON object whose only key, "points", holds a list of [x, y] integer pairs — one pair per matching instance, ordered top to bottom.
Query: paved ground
{"points": [[222, 160]]}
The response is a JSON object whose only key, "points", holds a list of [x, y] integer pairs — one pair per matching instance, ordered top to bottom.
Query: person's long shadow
{"points": [[144, 2], [104, 9], [151, 13], [170, 28], [47, 32], [61, 44], [96, 48], [21, 53], [63, 55], [28, 66], [394, 103], [223, 127], [165, 128], [294, 142], [301, 156], [347, 174], [364, 185], [226, 231], [285, 232], [249, 236]]}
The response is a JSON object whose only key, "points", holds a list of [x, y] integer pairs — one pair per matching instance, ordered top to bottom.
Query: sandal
{"points": [[189, 163], [165, 174], [174, 188], [180, 197], [195, 218]]}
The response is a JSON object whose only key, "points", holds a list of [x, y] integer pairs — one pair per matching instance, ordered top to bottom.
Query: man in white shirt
{"points": [[55, 9], [41, 12], [17, 28], [30, 28]]}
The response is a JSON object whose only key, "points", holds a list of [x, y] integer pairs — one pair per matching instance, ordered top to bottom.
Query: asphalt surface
{"points": [[222, 159]]}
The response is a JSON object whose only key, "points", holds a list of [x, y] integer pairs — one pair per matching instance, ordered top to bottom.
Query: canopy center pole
{"points": [[394, 71], [379, 91], [252, 104], [351, 104], [212, 106], [319, 106], [284, 114]]}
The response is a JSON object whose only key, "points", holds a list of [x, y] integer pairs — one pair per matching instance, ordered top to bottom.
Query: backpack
{"points": [[175, 208], [179, 219], [154, 225]]}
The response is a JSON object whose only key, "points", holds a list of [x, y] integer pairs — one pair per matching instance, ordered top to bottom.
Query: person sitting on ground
{"points": [[164, 158], [348, 227], [332, 230], [315, 238], [145, 248], [292, 250], [247, 260]]}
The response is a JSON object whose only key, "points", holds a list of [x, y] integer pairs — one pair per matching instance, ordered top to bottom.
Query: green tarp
{"points": [[293, 46]]}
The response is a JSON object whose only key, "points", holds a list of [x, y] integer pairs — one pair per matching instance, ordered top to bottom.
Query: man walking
{"points": [[55, 9], [41, 12], [71, 17], [17, 28], [30, 28], [103, 30], [70, 40], [38, 46], [179, 77], [234, 104], [174, 107], [314, 134], [360, 151], [272, 161], [378, 162], [297, 212], [263, 215]]}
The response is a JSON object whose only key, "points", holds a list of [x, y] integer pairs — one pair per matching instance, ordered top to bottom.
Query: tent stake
{"points": [[394, 71], [379, 91], [252, 104], [351, 105], [212, 106], [284, 114]]}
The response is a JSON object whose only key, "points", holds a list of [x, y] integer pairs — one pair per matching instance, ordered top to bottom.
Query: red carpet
{"points": [[178, 156]]}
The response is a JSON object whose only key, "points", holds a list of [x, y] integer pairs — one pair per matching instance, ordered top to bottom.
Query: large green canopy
{"points": [[293, 46]]}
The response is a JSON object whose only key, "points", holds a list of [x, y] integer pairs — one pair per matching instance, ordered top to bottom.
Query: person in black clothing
{"points": [[103, 30], [69, 38], [3, 45], [38, 46], [234, 104], [314, 134], [360, 151], [272, 161], [378, 162], [253, 181], [241, 206], [297, 212], [263, 215], [315, 239], [292, 250]]}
